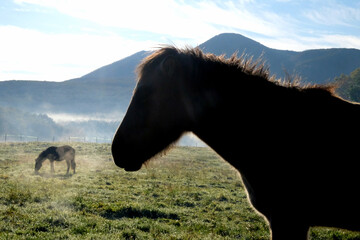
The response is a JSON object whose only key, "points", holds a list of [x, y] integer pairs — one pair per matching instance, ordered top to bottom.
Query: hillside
{"points": [[122, 70], [109, 88], [21, 124]]}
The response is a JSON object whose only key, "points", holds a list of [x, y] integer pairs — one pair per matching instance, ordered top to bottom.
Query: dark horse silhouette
{"points": [[293, 146], [57, 154]]}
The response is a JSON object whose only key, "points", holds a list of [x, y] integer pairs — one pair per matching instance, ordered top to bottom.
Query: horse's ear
{"points": [[168, 65]]}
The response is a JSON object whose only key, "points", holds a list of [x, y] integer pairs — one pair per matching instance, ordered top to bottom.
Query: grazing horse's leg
{"points": [[73, 165], [52, 166], [68, 166]]}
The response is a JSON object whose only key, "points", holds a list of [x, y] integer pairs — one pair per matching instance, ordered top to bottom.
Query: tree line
{"points": [[348, 86]]}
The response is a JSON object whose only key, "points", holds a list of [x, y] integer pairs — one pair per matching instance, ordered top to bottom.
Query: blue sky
{"points": [[57, 40]]}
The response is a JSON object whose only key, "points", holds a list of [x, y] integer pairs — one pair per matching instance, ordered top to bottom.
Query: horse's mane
{"points": [[245, 64], [50, 150]]}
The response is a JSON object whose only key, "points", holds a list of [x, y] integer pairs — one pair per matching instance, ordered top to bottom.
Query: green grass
{"points": [[190, 193]]}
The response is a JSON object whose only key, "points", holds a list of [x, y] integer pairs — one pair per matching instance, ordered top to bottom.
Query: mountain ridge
{"points": [[305, 64]]}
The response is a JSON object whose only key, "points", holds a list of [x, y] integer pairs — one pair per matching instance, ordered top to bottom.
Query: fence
{"points": [[23, 138], [90, 139], [187, 140]]}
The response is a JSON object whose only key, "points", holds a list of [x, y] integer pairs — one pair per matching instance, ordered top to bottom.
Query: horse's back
{"points": [[67, 148], [66, 152]]}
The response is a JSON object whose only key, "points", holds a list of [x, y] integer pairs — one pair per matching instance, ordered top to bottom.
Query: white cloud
{"points": [[333, 13], [198, 20], [336, 40], [301, 43], [44, 56], [48, 56], [56, 57]]}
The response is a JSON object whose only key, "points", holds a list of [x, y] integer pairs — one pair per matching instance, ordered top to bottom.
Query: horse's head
{"points": [[159, 111], [38, 164]]}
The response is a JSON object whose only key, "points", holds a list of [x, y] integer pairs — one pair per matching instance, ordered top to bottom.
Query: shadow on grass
{"points": [[51, 175], [130, 212]]}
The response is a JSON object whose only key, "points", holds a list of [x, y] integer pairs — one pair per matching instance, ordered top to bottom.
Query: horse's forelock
{"points": [[155, 59]]}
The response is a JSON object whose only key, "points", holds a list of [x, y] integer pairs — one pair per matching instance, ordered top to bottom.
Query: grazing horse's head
{"points": [[159, 111], [38, 164]]}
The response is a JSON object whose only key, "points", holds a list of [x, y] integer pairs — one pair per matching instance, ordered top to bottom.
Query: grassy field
{"points": [[190, 193]]}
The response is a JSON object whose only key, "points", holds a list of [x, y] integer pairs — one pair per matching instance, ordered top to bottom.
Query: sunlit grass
{"points": [[190, 193]]}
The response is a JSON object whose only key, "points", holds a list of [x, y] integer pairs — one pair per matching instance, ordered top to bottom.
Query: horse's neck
{"points": [[219, 116], [272, 127], [222, 133], [41, 160]]}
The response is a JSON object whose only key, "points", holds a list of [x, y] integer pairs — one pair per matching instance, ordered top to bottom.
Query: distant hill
{"points": [[109, 88]]}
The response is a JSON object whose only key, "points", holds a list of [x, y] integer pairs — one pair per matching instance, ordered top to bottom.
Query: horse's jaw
{"points": [[131, 153]]}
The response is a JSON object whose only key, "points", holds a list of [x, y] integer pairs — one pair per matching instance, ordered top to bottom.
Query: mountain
{"points": [[314, 66], [109, 88]]}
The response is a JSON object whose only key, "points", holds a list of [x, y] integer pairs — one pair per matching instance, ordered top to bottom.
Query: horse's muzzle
{"points": [[128, 163], [129, 166], [132, 168]]}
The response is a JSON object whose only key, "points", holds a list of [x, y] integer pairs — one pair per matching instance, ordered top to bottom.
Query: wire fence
{"points": [[24, 138]]}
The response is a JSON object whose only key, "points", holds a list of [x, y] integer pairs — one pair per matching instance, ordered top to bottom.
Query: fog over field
{"points": [[68, 117]]}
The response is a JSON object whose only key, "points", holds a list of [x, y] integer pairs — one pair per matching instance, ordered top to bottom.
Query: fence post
{"points": [[5, 137]]}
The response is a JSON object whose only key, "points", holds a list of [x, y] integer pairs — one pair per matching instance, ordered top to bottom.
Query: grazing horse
{"points": [[294, 146], [57, 154]]}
